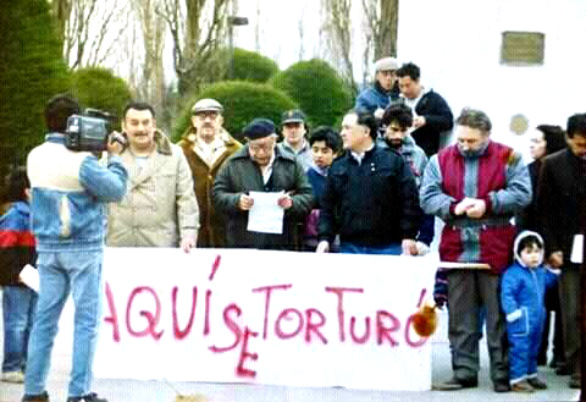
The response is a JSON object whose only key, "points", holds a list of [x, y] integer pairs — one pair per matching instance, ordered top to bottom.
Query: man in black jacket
{"points": [[432, 113], [560, 190], [370, 198]]}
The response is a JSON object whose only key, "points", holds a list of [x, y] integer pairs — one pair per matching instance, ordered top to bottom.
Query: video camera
{"points": [[90, 132]]}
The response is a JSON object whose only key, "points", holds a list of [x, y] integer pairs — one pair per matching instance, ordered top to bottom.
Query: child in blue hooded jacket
{"points": [[522, 292]]}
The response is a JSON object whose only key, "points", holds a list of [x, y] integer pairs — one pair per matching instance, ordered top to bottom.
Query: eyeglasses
{"points": [[205, 115], [266, 147]]}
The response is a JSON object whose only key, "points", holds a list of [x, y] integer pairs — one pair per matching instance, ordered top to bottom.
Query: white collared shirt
{"points": [[359, 156]]}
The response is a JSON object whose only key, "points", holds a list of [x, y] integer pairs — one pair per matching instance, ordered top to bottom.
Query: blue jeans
{"points": [[351, 248], [61, 273], [19, 307]]}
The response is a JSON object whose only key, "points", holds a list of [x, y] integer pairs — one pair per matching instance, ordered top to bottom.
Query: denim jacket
{"points": [[69, 195]]}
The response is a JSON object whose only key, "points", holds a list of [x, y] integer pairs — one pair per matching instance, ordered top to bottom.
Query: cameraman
{"points": [[69, 192]]}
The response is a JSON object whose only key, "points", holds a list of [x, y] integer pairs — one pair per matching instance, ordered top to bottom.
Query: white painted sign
{"points": [[266, 317]]}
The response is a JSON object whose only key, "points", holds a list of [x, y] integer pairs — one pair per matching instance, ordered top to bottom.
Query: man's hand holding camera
{"points": [[116, 143]]}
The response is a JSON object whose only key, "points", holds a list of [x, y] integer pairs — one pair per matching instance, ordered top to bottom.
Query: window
{"points": [[522, 48]]}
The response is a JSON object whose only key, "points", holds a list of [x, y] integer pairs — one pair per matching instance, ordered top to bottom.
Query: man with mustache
{"points": [[207, 146], [159, 208]]}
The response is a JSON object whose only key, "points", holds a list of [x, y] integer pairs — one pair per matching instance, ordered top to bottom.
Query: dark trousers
{"points": [[569, 285], [468, 290], [552, 303]]}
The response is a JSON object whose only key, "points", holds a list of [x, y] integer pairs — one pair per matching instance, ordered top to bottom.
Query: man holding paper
{"points": [[263, 192]]}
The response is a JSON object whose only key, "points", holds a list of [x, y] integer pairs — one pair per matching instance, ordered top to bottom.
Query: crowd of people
{"points": [[375, 187]]}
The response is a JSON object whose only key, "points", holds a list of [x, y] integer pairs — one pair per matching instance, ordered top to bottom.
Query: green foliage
{"points": [[252, 66], [32, 70], [99, 88], [317, 88], [242, 101]]}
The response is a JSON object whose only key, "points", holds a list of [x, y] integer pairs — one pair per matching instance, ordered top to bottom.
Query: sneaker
{"points": [[16, 377], [536, 383], [456, 384], [522, 386], [44, 397], [91, 397]]}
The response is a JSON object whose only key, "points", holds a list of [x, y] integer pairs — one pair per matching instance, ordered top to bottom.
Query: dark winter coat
{"points": [[438, 118], [240, 175], [561, 187], [374, 203]]}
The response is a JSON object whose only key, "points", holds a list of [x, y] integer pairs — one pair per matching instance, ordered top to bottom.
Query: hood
{"points": [[518, 239]]}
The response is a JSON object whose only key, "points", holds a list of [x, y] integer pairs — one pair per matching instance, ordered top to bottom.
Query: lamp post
{"points": [[233, 21]]}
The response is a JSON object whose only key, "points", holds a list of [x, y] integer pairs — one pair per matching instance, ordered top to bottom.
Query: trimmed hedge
{"points": [[252, 66], [32, 70], [99, 88], [317, 88], [242, 101]]}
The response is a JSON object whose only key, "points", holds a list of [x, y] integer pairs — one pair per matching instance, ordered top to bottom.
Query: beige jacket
{"points": [[159, 208]]}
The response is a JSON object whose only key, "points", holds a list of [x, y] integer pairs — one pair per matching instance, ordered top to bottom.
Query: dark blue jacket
{"points": [[375, 97], [374, 203]]}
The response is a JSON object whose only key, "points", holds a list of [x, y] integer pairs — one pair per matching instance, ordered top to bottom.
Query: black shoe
{"points": [[556, 362], [562, 369], [575, 382], [536, 383], [456, 384], [501, 386], [44, 397], [91, 397]]}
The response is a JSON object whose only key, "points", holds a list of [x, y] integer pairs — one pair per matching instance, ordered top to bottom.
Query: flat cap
{"points": [[386, 64], [207, 105], [293, 116], [259, 128]]}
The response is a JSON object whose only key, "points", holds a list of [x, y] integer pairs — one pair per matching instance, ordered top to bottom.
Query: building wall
{"points": [[457, 44]]}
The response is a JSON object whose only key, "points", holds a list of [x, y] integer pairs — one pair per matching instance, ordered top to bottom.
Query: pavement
{"points": [[158, 391]]}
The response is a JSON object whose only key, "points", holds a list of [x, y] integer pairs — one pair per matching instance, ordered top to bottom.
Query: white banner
{"points": [[264, 317]]}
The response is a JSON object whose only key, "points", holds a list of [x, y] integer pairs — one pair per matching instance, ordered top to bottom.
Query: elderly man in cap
{"points": [[385, 89], [294, 127], [207, 145], [261, 166]]}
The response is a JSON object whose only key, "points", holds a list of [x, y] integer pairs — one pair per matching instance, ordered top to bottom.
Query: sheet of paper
{"points": [[265, 216], [577, 249], [30, 277]]}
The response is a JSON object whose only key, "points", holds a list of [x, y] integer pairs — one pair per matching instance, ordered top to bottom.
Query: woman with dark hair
{"points": [[545, 140]]}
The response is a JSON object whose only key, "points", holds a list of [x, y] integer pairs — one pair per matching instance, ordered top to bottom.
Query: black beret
{"points": [[259, 128]]}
